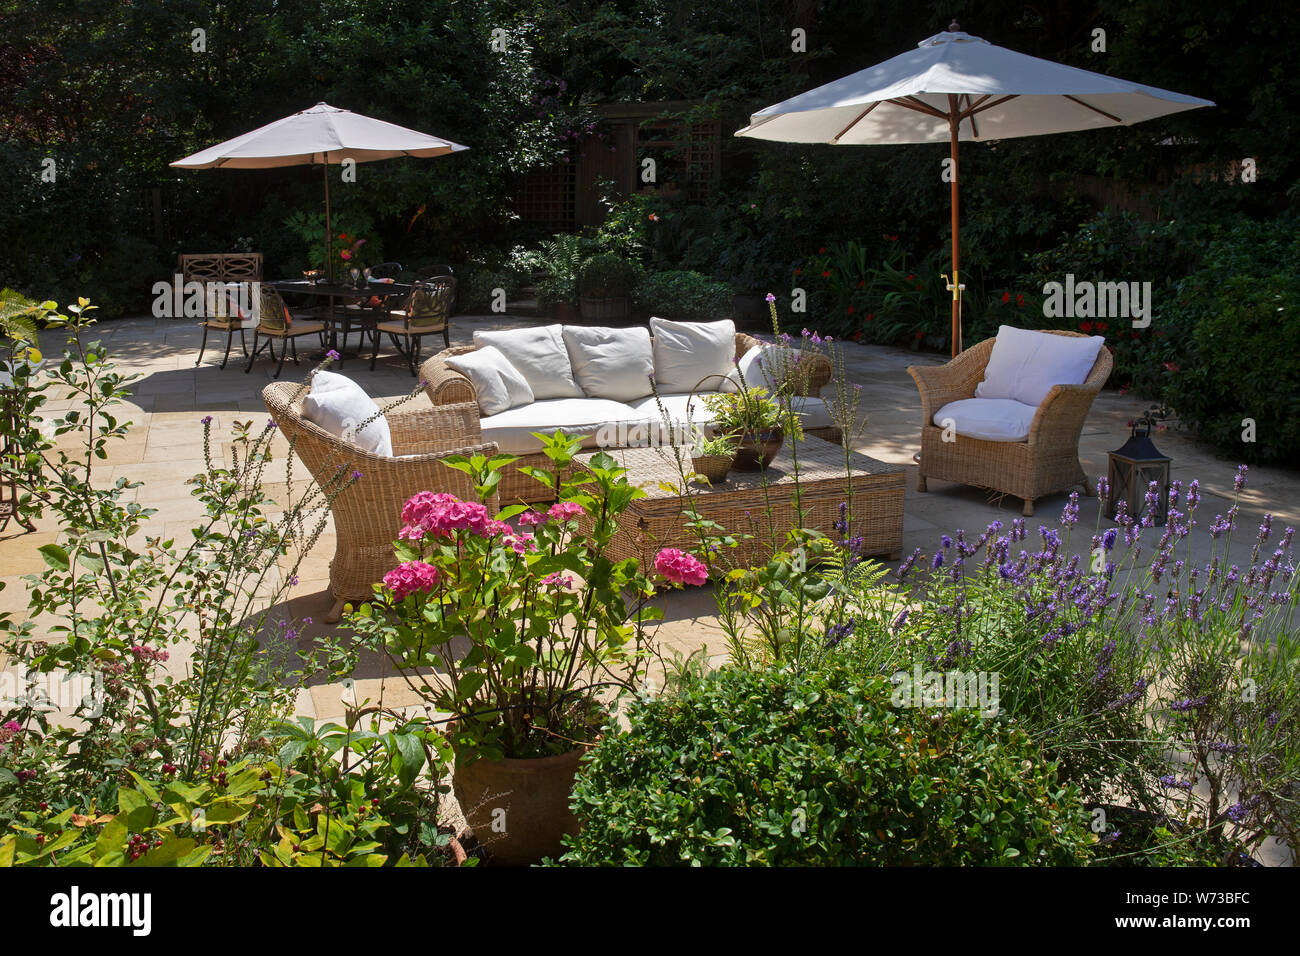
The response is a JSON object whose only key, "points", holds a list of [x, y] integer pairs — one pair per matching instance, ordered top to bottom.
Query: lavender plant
{"points": [[1166, 686]]}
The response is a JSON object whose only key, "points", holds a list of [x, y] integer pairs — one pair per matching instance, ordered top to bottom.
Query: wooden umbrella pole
{"points": [[954, 120], [329, 232]]}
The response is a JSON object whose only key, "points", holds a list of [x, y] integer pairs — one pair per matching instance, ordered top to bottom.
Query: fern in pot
{"points": [[757, 423]]}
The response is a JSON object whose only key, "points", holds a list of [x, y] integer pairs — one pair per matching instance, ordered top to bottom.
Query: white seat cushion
{"points": [[693, 355], [540, 356], [610, 363], [1025, 365], [498, 386], [340, 406], [812, 412], [990, 419], [604, 423]]}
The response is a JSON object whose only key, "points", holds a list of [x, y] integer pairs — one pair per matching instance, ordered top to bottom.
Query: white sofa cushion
{"points": [[693, 355], [540, 357], [615, 364], [1025, 364], [756, 368], [498, 386], [340, 406], [812, 412], [990, 419], [604, 423]]}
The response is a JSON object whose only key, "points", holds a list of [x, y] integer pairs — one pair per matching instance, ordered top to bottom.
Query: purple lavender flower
{"points": [[770, 297], [332, 355], [206, 420], [1239, 482]]}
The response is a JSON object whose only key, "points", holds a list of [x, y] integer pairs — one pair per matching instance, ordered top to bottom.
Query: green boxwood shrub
{"points": [[608, 276], [685, 296], [766, 767]]}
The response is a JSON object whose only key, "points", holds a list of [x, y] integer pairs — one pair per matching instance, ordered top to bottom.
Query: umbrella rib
{"points": [[1075, 99], [920, 106], [988, 106], [860, 117], [974, 130]]}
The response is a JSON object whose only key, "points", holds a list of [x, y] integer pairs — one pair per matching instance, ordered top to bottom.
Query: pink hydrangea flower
{"points": [[565, 510], [441, 514], [531, 518], [521, 542], [680, 567], [411, 578], [558, 580]]}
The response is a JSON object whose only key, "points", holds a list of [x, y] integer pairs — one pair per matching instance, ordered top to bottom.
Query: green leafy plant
{"points": [[608, 276], [685, 296], [769, 767]]}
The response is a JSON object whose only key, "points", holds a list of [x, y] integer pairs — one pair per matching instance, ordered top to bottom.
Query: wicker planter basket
{"points": [[712, 467]]}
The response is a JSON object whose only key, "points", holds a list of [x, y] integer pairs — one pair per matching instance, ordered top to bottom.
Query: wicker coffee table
{"points": [[740, 504]]}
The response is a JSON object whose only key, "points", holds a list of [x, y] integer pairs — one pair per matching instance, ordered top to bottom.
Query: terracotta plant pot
{"points": [[565, 313], [757, 449], [712, 467], [519, 809]]}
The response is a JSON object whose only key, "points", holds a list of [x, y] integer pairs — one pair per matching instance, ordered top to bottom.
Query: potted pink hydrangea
{"points": [[519, 624]]}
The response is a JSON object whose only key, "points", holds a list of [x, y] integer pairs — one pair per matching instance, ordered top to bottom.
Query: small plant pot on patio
{"points": [[605, 287], [606, 311], [565, 313], [519, 808]]}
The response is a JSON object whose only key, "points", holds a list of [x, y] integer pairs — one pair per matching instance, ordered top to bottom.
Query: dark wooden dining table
{"points": [[345, 292]]}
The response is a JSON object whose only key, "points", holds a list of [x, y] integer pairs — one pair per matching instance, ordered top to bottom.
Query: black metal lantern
{"points": [[1132, 469]]}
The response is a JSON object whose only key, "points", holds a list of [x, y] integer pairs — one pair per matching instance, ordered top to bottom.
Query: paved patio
{"points": [[164, 448]]}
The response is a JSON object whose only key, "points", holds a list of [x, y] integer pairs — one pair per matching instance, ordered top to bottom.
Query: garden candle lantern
{"points": [[1133, 467]]}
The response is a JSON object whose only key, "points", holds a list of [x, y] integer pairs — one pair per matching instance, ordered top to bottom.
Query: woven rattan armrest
{"points": [[951, 382], [443, 384], [436, 430]]}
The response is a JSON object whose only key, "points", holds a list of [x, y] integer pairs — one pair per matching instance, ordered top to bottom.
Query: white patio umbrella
{"points": [[955, 86], [323, 134]]}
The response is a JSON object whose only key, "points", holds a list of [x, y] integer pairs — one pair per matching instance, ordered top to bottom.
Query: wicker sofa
{"points": [[447, 386], [1045, 463], [367, 512]]}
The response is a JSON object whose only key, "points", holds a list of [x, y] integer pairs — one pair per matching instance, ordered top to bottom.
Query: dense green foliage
{"points": [[114, 92], [685, 296], [769, 767]]}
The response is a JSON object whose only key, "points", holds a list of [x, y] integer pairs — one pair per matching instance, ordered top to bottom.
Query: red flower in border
{"points": [[1006, 296], [1020, 302]]}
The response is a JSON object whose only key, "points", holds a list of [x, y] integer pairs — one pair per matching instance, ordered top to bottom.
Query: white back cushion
{"points": [[693, 355], [539, 356], [610, 363], [1025, 365], [756, 368], [498, 385], [340, 406]]}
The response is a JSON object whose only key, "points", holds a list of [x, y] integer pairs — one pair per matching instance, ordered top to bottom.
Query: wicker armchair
{"points": [[446, 386], [1045, 463], [367, 513]]}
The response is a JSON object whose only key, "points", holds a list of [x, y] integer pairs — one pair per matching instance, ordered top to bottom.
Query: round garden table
{"points": [[345, 291]]}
